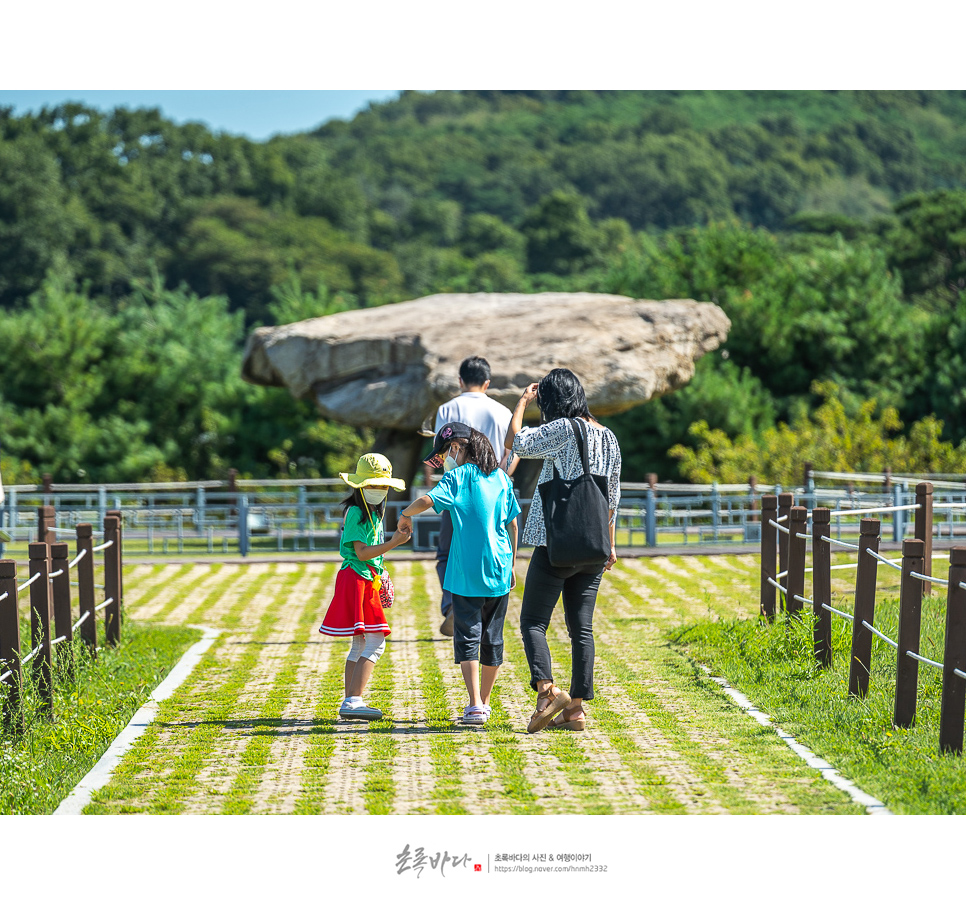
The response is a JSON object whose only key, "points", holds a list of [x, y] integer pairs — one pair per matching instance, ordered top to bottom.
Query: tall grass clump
{"points": [[40, 766]]}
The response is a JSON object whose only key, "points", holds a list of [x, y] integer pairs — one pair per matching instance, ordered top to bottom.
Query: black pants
{"points": [[544, 584]]}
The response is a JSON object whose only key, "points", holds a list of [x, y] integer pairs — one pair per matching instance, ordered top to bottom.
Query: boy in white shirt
{"points": [[478, 411]]}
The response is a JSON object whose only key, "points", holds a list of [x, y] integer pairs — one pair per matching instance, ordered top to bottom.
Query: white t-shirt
{"points": [[478, 412]]}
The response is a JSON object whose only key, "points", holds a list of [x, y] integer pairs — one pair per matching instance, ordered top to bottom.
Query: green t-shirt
{"points": [[358, 527]]}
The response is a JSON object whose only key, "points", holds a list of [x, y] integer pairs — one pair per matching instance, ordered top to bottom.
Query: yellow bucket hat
{"points": [[373, 470]]}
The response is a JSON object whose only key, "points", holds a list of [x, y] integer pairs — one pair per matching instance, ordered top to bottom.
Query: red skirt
{"points": [[355, 607]]}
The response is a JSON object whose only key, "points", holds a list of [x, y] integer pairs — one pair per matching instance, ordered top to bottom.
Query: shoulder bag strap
{"points": [[582, 441]]}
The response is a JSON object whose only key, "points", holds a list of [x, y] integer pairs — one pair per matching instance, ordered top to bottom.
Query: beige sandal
{"points": [[539, 720], [574, 724]]}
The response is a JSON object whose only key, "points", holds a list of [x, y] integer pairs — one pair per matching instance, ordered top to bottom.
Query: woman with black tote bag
{"points": [[570, 523]]}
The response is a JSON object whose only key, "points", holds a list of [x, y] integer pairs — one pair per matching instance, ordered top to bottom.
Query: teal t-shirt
{"points": [[358, 527], [480, 562]]}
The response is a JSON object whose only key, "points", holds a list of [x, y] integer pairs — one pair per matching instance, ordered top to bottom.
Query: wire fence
{"points": [[244, 516], [783, 556], [52, 607]]}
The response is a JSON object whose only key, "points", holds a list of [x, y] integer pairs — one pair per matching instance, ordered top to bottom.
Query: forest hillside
{"points": [[136, 254]]}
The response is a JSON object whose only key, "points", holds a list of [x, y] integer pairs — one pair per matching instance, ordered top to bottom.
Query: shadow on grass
{"points": [[305, 641], [298, 727]]}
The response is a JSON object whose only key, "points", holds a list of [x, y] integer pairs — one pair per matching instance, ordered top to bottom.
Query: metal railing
{"points": [[306, 515]]}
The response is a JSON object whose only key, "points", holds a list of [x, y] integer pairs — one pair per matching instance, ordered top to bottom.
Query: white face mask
{"points": [[449, 463], [374, 496]]}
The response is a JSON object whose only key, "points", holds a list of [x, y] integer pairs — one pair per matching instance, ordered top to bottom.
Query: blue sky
{"points": [[257, 114]]}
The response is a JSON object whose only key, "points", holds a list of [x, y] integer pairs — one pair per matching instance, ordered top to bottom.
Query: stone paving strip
{"points": [[731, 564], [136, 575], [660, 577], [190, 590], [148, 593], [728, 593], [633, 597], [221, 598], [248, 622], [436, 681], [255, 728], [580, 757], [233, 768], [413, 772], [157, 775], [665, 780], [539, 781], [690, 786], [742, 787], [279, 791]]}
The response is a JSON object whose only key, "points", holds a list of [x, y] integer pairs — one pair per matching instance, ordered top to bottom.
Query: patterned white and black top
{"points": [[556, 444]]}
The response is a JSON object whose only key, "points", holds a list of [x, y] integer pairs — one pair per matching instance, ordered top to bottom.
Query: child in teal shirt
{"points": [[479, 571]]}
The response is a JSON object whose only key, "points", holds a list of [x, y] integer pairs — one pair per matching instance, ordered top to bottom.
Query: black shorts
{"points": [[478, 628]]}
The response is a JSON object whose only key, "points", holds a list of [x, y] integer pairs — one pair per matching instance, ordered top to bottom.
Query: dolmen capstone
{"points": [[391, 366]]}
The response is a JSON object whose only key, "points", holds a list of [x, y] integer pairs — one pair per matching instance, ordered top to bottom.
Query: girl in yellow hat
{"points": [[356, 610]]}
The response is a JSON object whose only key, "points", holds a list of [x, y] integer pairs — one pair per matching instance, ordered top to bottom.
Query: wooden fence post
{"points": [[785, 502], [46, 519], [924, 530], [769, 546], [120, 548], [865, 577], [112, 579], [795, 580], [822, 585], [85, 586], [60, 592], [910, 622], [40, 637], [10, 652], [954, 657]]}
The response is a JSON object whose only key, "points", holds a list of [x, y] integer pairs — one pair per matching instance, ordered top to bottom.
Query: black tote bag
{"points": [[576, 514]]}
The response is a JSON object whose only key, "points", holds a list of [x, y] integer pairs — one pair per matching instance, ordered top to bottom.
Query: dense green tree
{"points": [[38, 220], [123, 233], [484, 233], [560, 237], [929, 245], [236, 248], [831, 313], [150, 390], [728, 398], [59, 416], [864, 439]]}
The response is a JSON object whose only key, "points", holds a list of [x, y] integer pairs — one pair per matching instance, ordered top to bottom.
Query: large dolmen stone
{"points": [[390, 367]]}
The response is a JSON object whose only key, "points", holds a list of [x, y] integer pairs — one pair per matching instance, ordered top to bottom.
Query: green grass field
{"points": [[254, 729]]}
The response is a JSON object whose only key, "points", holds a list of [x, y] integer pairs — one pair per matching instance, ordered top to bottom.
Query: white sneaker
{"points": [[347, 706], [360, 713]]}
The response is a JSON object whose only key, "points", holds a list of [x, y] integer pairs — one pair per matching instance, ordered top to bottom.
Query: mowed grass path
{"points": [[255, 730]]}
